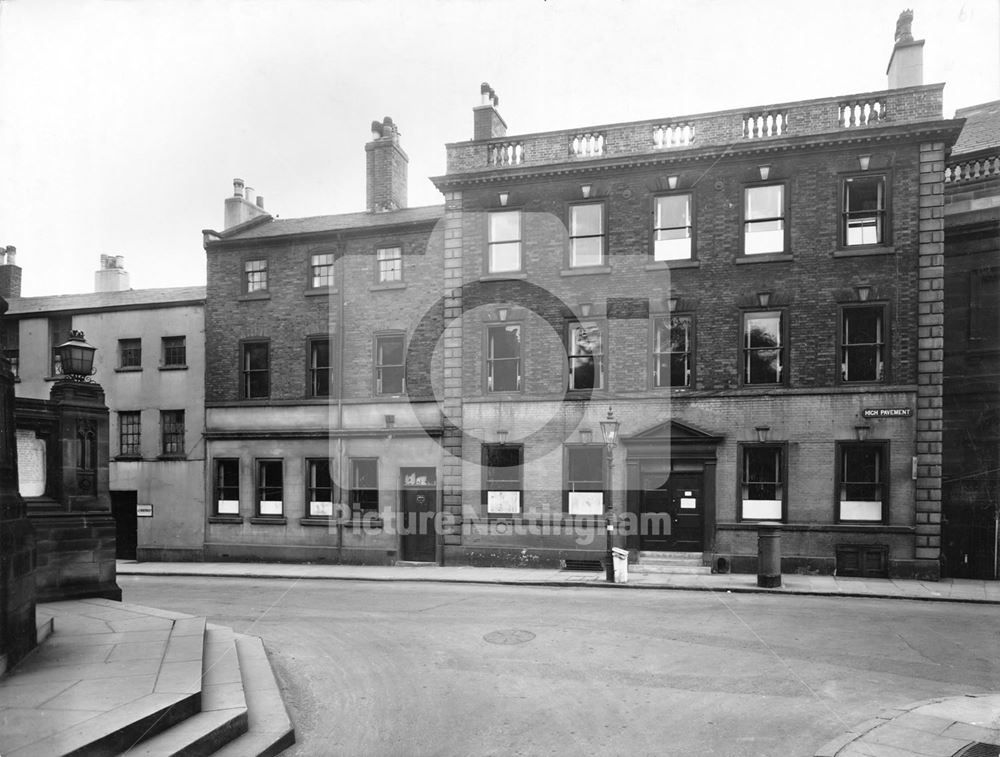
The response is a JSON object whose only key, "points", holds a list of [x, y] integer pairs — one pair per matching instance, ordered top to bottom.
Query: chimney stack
{"points": [[906, 64], [487, 123], [386, 168], [241, 207], [10, 273], [112, 277]]}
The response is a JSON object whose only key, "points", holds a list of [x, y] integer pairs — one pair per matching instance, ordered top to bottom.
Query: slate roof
{"points": [[981, 130], [341, 222], [131, 299]]}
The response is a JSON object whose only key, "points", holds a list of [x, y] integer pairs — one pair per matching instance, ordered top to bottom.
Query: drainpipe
{"points": [[341, 330]]}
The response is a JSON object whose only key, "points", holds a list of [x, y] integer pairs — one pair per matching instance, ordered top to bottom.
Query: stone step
{"points": [[645, 556], [686, 570], [223, 715], [126, 718], [269, 728]]}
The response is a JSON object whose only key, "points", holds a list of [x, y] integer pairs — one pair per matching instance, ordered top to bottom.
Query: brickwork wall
{"points": [[810, 285], [292, 312]]}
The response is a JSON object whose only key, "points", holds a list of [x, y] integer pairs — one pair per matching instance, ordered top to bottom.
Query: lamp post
{"points": [[76, 357], [609, 429]]}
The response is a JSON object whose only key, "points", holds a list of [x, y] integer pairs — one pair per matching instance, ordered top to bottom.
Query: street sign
{"points": [[887, 412], [144, 511]]}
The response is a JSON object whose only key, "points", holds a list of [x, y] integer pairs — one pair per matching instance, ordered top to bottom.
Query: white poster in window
{"points": [[30, 464], [503, 502], [586, 503], [689, 503], [229, 507], [270, 507], [321, 508], [762, 509], [860, 510]]}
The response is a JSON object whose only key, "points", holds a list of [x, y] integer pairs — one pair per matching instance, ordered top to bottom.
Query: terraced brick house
{"points": [[750, 300]]}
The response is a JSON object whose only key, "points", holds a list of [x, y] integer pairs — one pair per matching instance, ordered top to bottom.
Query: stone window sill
{"points": [[860, 252], [782, 257], [666, 265], [588, 271], [509, 275], [387, 285], [322, 291], [173, 367], [129, 369], [231, 519], [268, 520]]}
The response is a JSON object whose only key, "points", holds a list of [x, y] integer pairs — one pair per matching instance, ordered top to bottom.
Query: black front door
{"points": [[672, 513], [126, 526], [419, 536]]}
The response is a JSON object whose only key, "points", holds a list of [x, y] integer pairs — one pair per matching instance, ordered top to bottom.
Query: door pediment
{"points": [[671, 432]]}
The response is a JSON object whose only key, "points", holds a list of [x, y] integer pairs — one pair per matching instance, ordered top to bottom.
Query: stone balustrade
{"points": [[720, 129], [965, 169]]}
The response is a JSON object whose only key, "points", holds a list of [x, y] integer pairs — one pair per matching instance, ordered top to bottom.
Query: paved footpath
{"points": [[954, 590], [952, 727]]}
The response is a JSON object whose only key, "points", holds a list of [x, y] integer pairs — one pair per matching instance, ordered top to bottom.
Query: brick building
{"points": [[756, 294], [149, 361], [971, 487]]}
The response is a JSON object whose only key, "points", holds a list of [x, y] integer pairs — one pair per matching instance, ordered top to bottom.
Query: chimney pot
{"points": [[903, 24], [906, 64], [486, 121], [237, 187], [260, 201]]}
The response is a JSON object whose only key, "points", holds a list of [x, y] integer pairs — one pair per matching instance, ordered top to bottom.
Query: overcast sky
{"points": [[123, 122]]}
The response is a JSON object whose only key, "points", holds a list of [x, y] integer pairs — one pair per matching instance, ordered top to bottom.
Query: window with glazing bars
{"points": [[864, 210], [764, 219], [672, 227], [586, 235], [504, 241], [390, 263], [321, 270], [255, 275], [862, 344], [763, 348], [174, 351], [672, 351], [129, 353], [586, 356], [503, 358], [389, 365], [320, 367], [256, 370], [172, 428], [129, 433], [502, 478], [861, 482], [364, 485], [227, 486], [762, 486], [270, 487], [319, 488], [584, 492]]}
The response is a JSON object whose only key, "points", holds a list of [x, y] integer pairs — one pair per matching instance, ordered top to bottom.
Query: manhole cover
{"points": [[512, 636]]}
